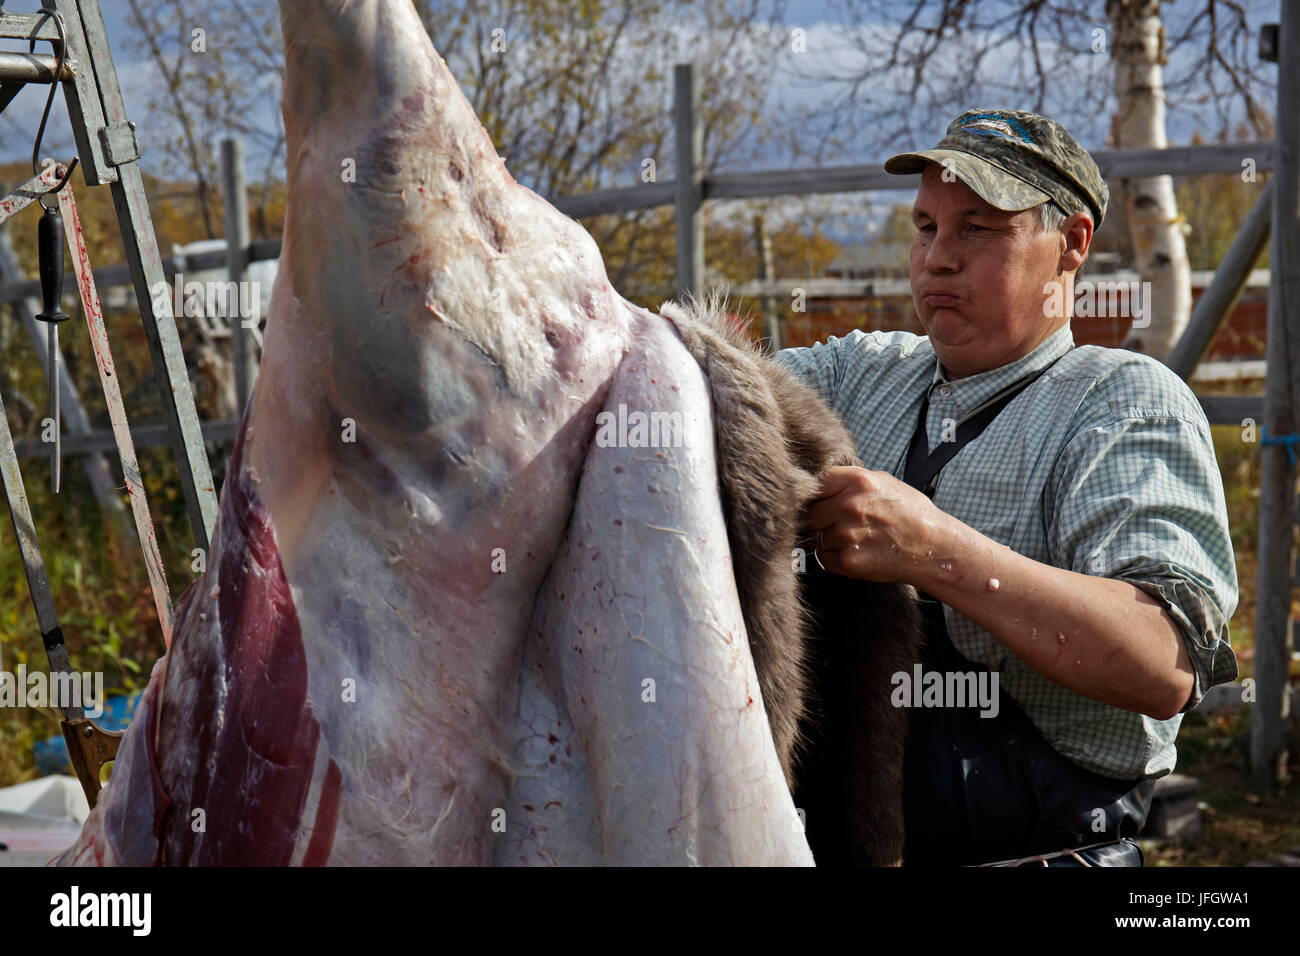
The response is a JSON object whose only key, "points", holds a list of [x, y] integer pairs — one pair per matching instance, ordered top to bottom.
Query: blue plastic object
{"points": [[52, 755]]}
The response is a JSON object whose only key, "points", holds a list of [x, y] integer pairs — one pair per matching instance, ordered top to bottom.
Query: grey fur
{"points": [[775, 438]]}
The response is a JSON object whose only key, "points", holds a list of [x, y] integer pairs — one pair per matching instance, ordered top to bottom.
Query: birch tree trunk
{"points": [[1156, 227], [214, 380]]}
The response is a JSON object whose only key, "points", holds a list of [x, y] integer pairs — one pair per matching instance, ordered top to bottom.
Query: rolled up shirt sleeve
{"points": [[1139, 498]]}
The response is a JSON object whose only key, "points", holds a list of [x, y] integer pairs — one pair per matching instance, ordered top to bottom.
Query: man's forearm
{"points": [[1102, 638]]}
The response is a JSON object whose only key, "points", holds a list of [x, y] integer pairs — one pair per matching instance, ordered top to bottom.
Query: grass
{"points": [[100, 592], [1239, 822]]}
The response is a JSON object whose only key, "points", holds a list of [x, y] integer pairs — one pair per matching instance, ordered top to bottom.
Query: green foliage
{"points": [[1214, 208], [1239, 465], [96, 573]]}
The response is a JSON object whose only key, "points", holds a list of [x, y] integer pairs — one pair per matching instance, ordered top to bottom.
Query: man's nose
{"points": [[943, 254]]}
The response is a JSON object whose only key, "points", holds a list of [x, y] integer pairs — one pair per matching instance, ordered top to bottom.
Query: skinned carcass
{"points": [[459, 610]]}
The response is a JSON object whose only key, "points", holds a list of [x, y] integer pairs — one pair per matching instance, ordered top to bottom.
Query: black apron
{"points": [[988, 789]]}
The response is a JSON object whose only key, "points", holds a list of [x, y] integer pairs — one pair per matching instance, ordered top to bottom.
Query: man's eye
{"points": [[928, 227]]}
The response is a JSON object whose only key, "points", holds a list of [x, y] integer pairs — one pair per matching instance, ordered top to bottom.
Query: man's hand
{"points": [[869, 525], [1104, 639]]}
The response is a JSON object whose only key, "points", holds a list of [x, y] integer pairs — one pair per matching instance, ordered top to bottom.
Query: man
{"points": [[1079, 545]]}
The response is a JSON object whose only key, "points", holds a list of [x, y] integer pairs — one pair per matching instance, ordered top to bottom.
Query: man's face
{"points": [[978, 275]]}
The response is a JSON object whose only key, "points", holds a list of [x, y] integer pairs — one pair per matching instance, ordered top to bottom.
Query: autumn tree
{"points": [[917, 61], [219, 67], [576, 96], [1215, 206]]}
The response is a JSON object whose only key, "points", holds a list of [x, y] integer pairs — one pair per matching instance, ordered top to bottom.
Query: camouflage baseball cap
{"points": [[1015, 160]]}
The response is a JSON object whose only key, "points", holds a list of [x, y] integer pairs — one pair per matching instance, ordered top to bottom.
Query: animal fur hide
{"points": [[824, 646]]}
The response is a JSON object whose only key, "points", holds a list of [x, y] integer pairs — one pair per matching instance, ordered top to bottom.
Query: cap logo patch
{"points": [[991, 124]]}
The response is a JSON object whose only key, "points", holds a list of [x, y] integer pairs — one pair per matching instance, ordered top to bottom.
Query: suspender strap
{"points": [[923, 465]]}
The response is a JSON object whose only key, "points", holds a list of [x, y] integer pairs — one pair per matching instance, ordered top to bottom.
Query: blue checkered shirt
{"points": [[1104, 466]]}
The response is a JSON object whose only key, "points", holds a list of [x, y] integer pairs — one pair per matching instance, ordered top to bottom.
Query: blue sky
{"points": [[811, 14], [788, 100], [19, 121]]}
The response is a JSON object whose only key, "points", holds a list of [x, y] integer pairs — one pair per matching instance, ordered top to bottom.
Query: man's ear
{"points": [[1077, 233]]}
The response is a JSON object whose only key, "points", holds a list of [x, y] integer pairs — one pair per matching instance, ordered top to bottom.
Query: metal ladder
{"points": [[108, 154]]}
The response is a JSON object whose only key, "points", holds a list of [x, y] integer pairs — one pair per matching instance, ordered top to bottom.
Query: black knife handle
{"points": [[49, 248]]}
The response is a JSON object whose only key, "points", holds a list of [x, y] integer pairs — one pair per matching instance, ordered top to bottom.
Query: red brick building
{"points": [[837, 306]]}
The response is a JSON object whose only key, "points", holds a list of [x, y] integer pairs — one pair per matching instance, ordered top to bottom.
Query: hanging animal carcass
{"points": [[459, 610]]}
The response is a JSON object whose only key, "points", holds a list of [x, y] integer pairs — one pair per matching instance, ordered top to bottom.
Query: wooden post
{"points": [[690, 181], [235, 197], [1230, 278], [769, 309], [1277, 516]]}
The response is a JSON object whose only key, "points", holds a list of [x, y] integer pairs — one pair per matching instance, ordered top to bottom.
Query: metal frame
{"points": [[110, 155], [1277, 500]]}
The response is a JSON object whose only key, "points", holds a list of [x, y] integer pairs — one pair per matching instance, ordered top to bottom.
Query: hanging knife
{"points": [[49, 244]]}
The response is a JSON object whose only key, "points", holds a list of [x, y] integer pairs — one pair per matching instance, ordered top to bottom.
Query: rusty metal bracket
{"points": [[90, 749]]}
